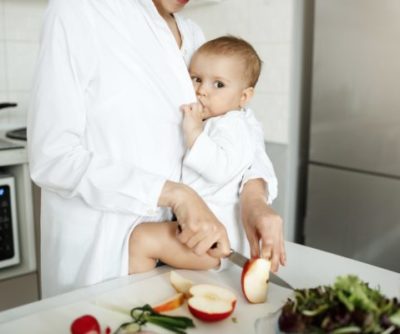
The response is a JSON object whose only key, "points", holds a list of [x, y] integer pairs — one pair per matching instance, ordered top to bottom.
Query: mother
{"points": [[105, 140]]}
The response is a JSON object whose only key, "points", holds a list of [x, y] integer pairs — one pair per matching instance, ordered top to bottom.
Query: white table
{"points": [[307, 267]]}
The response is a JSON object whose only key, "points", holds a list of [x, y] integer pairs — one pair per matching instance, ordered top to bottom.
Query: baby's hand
{"points": [[193, 115]]}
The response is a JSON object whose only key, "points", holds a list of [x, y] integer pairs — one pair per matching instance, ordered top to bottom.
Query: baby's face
{"points": [[219, 82]]}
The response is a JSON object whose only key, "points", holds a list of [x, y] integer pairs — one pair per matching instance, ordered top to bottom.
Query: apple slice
{"points": [[254, 280], [180, 283], [211, 303], [170, 304]]}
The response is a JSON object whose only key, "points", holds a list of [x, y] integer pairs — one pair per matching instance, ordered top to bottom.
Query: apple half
{"points": [[255, 275], [180, 283], [210, 302], [170, 304]]}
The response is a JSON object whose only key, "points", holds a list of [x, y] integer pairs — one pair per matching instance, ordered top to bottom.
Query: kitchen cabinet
{"points": [[345, 217], [20, 290]]}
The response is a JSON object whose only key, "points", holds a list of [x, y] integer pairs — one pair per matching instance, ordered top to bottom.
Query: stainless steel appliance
{"points": [[13, 134], [19, 134], [353, 191], [9, 246]]}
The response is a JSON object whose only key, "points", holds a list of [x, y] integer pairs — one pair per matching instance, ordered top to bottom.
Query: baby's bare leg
{"points": [[150, 242]]}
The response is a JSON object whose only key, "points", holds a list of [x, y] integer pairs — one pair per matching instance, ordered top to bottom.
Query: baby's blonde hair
{"points": [[234, 46]]}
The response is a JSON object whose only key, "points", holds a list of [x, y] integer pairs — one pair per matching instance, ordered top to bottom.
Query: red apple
{"points": [[254, 280], [180, 283], [211, 303], [170, 304], [86, 324]]}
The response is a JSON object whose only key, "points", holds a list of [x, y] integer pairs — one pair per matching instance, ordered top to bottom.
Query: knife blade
{"points": [[240, 260]]}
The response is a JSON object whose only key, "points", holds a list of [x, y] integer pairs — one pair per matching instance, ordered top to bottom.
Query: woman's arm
{"points": [[259, 187], [262, 224], [200, 229]]}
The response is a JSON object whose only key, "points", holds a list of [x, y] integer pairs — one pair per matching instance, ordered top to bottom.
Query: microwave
{"points": [[9, 245]]}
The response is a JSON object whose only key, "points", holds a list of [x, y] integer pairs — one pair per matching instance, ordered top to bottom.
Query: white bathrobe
{"points": [[104, 132], [215, 166]]}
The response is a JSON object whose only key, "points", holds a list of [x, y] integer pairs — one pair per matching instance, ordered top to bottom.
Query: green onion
{"points": [[145, 314]]}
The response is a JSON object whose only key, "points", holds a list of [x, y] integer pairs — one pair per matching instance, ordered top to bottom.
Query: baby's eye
{"points": [[196, 79], [219, 84]]}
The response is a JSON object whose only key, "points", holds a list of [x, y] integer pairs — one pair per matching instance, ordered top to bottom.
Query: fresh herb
{"points": [[349, 306], [145, 314]]}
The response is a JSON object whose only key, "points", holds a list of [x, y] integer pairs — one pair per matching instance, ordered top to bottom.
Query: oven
{"points": [[9, 245]]}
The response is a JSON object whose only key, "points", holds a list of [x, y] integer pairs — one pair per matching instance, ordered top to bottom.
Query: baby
{"points": [[220, 147]]}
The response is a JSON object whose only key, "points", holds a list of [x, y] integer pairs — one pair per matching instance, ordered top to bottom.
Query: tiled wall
{"points": [[20, 22], [267, 24]]}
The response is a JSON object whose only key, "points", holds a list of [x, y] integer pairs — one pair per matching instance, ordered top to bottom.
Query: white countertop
{"points": [[307, 267]]}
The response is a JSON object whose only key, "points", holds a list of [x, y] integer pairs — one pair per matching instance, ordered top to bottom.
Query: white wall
{"points": [[20, 24], [268, 26]]}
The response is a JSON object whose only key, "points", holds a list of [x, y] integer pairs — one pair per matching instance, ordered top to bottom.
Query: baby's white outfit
{"points": [[215, 165]]}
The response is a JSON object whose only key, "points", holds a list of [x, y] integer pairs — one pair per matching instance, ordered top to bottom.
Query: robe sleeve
{"points": [[223, 152], [60, 160], [261, 167]]}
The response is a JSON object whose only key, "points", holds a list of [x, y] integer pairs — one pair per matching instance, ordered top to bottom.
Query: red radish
{"points": [[86, 324]]}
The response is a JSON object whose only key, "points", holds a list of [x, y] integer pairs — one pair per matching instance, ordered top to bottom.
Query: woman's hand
{"points": [[193, 115], [262, 223], [199, 228]]}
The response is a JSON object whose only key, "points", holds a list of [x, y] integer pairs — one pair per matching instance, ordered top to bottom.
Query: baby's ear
{"points": [[247, 94]]}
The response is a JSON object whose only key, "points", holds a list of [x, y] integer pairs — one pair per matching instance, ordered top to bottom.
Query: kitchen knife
{"points": [[240, 260]]}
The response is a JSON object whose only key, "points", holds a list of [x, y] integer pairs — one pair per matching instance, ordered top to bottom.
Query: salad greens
{"points": [[349, 306], [145, 314]]}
